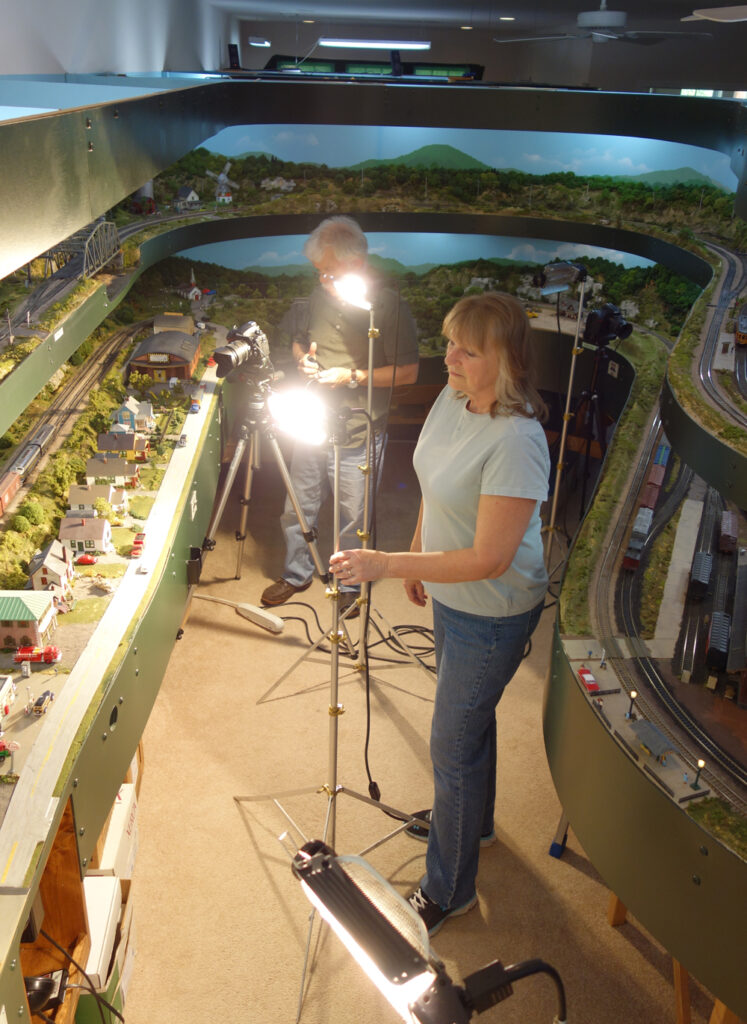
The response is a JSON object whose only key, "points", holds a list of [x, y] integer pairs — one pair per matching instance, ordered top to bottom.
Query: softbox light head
{"points": [[559, 276], [390, 942]]}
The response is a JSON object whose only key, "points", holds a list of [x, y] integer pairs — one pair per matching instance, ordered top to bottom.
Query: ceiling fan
{"points": [[725, 14], [603, 26]]}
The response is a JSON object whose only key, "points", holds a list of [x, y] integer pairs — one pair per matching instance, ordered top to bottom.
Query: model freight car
{"points": [[740, 335], [9, 484], [727, 540], [700, 574], [717, 650]]}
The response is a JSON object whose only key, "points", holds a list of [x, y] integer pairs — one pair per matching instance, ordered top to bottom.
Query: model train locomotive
{"points": [[22, 465], [649, 498]]}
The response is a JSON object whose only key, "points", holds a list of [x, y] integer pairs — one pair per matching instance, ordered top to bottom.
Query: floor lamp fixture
{"points": [[389, 942]]}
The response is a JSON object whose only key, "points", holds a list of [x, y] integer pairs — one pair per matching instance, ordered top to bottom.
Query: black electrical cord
{"points": [[100, 1001]]}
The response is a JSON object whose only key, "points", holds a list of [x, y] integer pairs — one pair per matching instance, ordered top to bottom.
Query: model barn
{"points": [[167, 354]]}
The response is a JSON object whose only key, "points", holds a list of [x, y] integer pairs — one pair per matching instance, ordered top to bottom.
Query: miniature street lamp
{"points": [[630, 714], [701, 766]]}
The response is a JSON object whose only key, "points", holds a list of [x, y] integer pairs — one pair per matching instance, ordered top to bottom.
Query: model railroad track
{"points": [[732, 285], [66, 405], [722, 773]]}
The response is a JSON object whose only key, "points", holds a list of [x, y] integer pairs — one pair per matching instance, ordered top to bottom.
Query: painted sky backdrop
{"points": [[531, 152], [411, 249]]}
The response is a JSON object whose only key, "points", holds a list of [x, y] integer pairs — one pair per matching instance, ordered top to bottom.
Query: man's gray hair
{"points": [[342, 235]]}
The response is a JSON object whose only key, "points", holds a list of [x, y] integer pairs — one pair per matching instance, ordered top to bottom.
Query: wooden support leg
{"points": [[616, 911], [681, 993], [722, 1014]]}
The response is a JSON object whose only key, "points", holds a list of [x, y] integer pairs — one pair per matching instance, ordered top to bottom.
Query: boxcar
{"points": [[727, 540], [700, 574], [717, 650]]}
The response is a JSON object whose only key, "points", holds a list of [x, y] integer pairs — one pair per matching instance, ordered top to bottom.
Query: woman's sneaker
{"points": [[417, 831], [432, 914]]}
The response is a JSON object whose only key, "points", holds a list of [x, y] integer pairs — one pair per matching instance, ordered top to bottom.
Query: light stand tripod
{"points": [[575, 273], [351, 289], [256, 422], [331, 787]]}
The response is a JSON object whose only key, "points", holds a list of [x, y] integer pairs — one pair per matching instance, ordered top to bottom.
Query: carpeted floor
{"points": [[221, 924]]}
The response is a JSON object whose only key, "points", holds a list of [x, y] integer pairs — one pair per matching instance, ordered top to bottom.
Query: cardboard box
{"points": [[135, 771], [116, 854], [103, 899]]}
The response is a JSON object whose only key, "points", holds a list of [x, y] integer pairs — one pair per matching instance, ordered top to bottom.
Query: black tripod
{"points": [[594, 416], [256, 424]]}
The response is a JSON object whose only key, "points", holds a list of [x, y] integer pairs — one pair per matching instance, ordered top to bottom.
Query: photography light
{"points": [[559, 276], [352, 288], [301, 414], [389, 941]]}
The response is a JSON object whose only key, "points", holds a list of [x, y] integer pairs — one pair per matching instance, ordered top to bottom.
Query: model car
{"points": [[182, 442], [86, 559], [50, 654], [588, 680], [42, 702], [4, 752]]}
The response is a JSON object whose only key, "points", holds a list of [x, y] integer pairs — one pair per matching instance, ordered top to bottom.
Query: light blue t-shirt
{"points": [[461, 455]]}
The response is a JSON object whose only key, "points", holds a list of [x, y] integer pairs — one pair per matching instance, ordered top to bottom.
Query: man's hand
{"points": [[307, 364]]}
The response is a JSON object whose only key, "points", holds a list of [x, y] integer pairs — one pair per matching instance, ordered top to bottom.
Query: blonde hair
{"points": [[496, 322]]}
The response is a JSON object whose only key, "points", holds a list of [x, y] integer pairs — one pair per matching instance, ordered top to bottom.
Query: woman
{"points": [[483, 466]]}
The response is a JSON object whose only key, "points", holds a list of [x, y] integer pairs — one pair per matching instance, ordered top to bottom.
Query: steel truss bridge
{"points": [[86, 252]]}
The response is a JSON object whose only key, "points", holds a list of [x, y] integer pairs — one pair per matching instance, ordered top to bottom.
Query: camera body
{"points": [[605, 324], [247, 348]]}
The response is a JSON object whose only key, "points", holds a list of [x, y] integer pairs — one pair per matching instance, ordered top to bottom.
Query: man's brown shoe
{"points": [[281, 591], [348, 599]]}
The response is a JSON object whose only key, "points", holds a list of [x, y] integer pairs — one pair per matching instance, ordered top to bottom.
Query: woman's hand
{"points": [[358, 565], [416, 592]]}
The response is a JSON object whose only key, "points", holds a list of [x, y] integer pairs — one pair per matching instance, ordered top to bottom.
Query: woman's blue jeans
{"points": [[476, 657]]}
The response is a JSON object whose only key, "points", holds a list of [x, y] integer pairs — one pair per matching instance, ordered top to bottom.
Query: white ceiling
{"points": [[710, 60]]}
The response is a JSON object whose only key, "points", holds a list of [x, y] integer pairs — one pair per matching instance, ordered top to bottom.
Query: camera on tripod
{"points": [[605, 324], [246, 347]]}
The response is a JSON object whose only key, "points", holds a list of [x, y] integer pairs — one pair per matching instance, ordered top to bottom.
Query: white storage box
{"points": [[103, 897]]}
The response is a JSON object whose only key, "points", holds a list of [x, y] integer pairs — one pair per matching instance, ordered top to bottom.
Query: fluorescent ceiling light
{"points": [[506, 17], [258, 41], [376, 44]]}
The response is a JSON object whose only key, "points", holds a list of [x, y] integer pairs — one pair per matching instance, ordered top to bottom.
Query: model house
{"points": [[186, 199], [134, 415], [124, 442], [114, 469], [82, 498], [86, 535], [52, 569], [27, 618]]}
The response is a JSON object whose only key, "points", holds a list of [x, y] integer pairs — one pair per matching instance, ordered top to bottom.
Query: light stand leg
{"points": [[575, 351]]}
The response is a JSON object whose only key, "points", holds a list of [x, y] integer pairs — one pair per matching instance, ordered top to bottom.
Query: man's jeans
{"points": [[312, 478], [476, 657]]}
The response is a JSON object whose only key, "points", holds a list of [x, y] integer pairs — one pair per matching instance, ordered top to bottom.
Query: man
{"points": [[330, 344]]}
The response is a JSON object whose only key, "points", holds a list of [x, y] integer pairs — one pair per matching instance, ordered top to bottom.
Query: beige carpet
{"points": [[220, 922]]}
